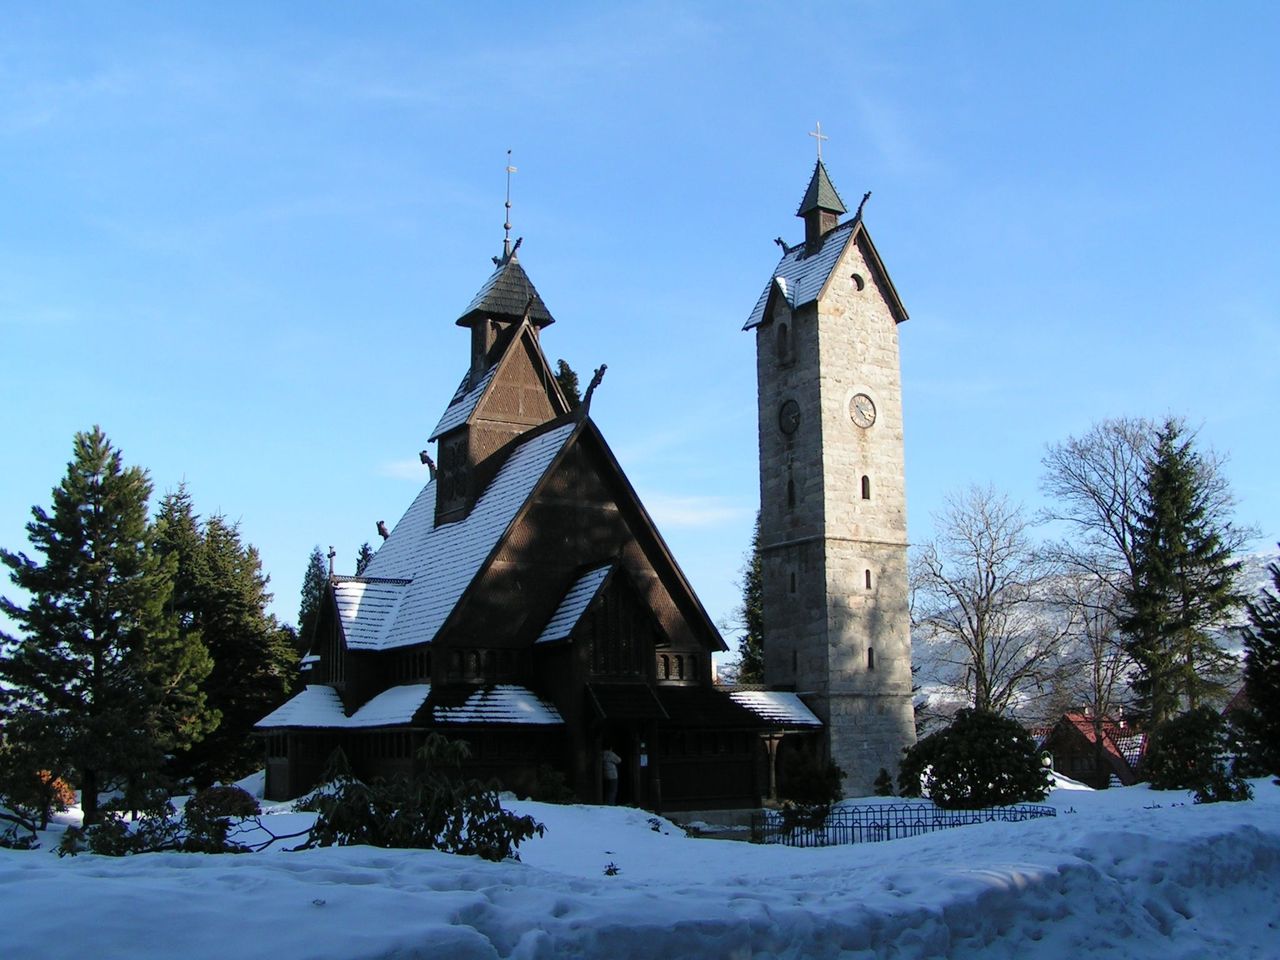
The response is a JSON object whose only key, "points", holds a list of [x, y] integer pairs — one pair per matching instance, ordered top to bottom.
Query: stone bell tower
{"points": [[833, 519]]}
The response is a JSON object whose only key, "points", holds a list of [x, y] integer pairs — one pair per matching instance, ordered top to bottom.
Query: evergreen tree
{"points": [[568, 381], [363, 558], [314, 582], [1183, 582], [225, 603], [749, 618], [253, 658], [1262, 669], [102, 682]]}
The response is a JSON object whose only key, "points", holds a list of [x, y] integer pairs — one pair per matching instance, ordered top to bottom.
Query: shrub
{"points": [[1190, 752], [1255, 755], [980, 760], [809, 779], [545, 784], [810, 786], [883, 786], [33, 794], [227, 801], [435, 809], [204, 826]]}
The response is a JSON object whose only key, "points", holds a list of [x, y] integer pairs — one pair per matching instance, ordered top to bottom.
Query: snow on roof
{"points": [[802, 276], [463, 403], [441, 561], [574, 605], [367, 607], [505, 703], [315, 706], [320, 706], [776, 706], [1132, 747]]}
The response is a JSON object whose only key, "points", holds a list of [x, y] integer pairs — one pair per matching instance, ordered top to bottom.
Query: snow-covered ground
{"points": [[1125, 873]]}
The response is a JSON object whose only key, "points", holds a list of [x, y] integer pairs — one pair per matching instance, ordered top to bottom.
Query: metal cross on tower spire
{"points": [[816, 134], [506, 226]]}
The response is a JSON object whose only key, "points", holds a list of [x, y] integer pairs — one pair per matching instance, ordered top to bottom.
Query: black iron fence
{"points": [[869, 824]]}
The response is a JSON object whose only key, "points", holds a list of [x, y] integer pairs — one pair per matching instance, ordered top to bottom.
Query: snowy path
{"points": [[1111, 880]]}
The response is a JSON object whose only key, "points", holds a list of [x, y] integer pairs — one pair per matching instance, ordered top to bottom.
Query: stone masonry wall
{"points": [[869, 633]]}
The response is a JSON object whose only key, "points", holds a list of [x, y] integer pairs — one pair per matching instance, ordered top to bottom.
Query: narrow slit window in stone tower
{"points": [[784, 343], [866, 488], [791, 492], [868, 579], [793, 581], [871, 658], [795, 662]]}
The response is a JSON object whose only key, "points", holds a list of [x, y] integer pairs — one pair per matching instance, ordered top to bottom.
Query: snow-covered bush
{"points": [[1191, 752], [980, 760], [223, 801], [435, 809], [199, 828]]}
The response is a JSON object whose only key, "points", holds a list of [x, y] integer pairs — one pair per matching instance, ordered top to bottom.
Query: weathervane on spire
{"points": [[816, 134], [506, 226]]}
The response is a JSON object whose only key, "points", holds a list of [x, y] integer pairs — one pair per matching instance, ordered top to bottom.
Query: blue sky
{"points": [[237, 236]]}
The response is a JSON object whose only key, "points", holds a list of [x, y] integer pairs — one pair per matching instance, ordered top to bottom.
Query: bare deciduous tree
{"points": [[1097, 482], [980, 589]]}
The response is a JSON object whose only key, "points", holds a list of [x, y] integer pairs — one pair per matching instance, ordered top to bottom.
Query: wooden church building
{"points": [[526, 604]]}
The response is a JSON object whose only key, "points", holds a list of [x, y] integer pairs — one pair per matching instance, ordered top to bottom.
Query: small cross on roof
{"points": [[818, 135]]}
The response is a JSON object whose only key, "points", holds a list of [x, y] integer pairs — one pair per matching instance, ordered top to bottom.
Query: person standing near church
{"points": [[609, 769]]}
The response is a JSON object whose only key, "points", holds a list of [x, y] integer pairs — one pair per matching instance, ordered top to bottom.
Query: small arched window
{"points": [[858, 281], [784, 342], [866, 488], [791, 492], [868, 579], [793, 581], [871, 658], [664, 667], [679, 668]]}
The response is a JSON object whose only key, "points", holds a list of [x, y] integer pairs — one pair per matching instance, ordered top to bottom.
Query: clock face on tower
{"points": [[862, 411], [789, 417]]}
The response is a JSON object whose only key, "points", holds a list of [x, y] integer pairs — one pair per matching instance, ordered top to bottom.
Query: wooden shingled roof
{"points": [[821, 194], [509, 295]]}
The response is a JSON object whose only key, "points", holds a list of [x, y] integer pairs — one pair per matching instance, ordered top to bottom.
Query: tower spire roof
{"points": [[821, 194]]}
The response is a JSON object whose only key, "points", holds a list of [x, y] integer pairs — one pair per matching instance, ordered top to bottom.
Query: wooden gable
{"points": [[520, 394], [583, 513]]}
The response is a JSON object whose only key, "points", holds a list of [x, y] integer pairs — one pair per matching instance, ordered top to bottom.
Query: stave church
{"points": [[527, 605]]}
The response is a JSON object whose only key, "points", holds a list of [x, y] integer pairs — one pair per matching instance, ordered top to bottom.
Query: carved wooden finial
{"points": [[865, 197], [585, 408], [430, 464], [382, 529], [332, 553]]}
